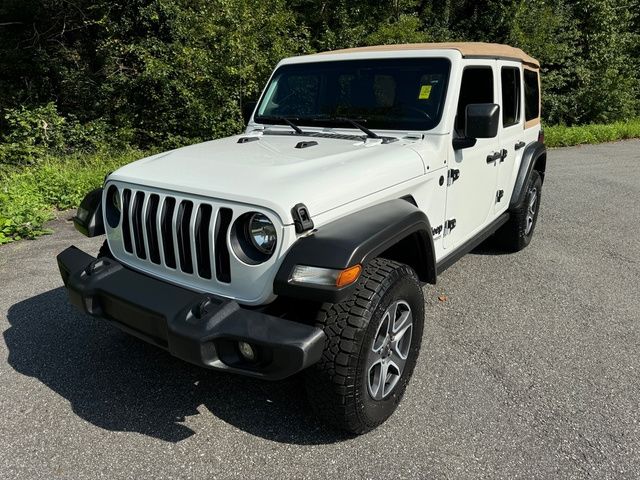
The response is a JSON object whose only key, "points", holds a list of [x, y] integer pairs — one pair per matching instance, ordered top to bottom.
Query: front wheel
{"points": [[373, 340]]}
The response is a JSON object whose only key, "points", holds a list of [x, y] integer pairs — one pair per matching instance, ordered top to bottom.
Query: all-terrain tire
{"points": [[516, 234], [337, 386]]}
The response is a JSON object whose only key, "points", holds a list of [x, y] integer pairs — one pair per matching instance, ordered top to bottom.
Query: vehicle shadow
{"points": [[489, 247], [119, 383]]}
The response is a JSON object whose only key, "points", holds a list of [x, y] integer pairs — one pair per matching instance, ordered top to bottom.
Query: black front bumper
{"points": [[200, 328]]}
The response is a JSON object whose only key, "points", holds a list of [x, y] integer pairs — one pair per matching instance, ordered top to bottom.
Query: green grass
{"points": [[563, 136], [29, 197]]}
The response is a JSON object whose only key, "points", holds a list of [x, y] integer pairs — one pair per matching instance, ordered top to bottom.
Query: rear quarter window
{"points": [[510, 79], [531, 95]]}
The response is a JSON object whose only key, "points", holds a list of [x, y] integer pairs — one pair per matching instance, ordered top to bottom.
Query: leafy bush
{"points": [[30, 132], [33, 133], [29, 197], [22, 210]]}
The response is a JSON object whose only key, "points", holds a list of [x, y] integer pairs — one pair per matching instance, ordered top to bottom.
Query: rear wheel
{"points": [[516, 234], [373, 340]]}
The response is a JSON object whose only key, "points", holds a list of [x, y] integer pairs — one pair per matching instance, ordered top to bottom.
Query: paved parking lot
{"points": [[530, 368]]}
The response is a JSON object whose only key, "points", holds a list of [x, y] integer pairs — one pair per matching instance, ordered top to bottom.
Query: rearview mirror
{"points": [[247, 110], [482, 120]]}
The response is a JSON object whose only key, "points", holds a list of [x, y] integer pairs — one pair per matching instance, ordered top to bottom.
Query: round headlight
{"points": [[262, 233]]}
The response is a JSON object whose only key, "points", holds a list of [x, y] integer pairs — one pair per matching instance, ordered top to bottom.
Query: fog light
{"points": [[247, 351]]}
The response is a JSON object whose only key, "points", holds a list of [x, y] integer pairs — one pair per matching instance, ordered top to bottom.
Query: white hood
{"points": [[272, 173]]}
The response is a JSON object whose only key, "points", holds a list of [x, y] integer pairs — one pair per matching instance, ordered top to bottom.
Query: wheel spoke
{"points": [[532, 202], [531, 210], [402, 321], [383, 331], [402, 341], [397, 360], [393, 371], [384, 372], [376, 379]]}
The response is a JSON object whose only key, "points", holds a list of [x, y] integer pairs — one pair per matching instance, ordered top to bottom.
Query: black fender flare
{"points": [[533, 153], [88, 219], [358, 238]]}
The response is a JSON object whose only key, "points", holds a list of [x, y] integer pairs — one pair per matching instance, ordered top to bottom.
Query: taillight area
{"points": [[541, 136]]}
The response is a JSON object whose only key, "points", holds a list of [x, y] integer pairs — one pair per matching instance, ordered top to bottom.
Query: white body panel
{"points": [[274, 174], [333, 179], [470, 199]]}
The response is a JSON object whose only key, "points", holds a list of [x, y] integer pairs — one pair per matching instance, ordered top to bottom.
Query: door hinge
{"points": [[452, 176], [499, 195], [449, 225], [437, 230]]}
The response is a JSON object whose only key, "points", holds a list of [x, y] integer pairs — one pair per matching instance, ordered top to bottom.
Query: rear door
{"points": [[511, 130], [470, 197]]}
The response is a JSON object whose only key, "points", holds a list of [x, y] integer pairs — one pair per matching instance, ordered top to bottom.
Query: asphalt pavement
{"points": [[530, 367]]}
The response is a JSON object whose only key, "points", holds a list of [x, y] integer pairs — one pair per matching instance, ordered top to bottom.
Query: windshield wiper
{"points": [[276, 118], [329, 118], [368, 132]]}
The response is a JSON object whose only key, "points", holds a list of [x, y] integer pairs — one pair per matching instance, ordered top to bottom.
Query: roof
{"points": [[467, 49]]}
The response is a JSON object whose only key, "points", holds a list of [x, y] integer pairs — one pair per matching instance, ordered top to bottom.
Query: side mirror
{"points": [[247, 110], [482, 120], [463, 142]]}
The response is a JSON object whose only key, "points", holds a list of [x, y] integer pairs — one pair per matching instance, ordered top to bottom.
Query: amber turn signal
{"points": [[348, 276]]}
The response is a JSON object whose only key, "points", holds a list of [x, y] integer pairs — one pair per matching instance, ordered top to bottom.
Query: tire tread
{"points": [[330, 383]]}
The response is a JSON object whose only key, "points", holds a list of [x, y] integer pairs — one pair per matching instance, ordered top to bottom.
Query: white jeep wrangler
{"points": [[302, 244]]}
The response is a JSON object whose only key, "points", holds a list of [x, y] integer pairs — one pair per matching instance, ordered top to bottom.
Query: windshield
{"points": [[390, 94]]}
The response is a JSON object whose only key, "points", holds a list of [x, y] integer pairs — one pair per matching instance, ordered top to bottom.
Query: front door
{"points": [[471, 197]]}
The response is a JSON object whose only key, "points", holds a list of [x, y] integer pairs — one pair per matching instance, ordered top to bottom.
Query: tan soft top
{"points": [[467, 49]]}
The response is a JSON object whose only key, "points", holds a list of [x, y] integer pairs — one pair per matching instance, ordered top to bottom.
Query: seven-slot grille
{"points": [[181, 234]]}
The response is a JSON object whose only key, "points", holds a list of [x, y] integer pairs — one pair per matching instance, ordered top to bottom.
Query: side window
{"points": [[510, 77], [476, 87], [531, 95]]}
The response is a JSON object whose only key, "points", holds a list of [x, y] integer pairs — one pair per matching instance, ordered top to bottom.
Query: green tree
{"points": [[547, 31], [179, 69], [166, 71], [609, 71], [169, 72]]}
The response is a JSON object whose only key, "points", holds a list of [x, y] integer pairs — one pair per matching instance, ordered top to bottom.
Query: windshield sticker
{"points": [[425, 92]]}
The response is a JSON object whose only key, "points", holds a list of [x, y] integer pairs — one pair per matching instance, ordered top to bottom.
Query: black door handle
{"points": [[519, 145], [494, 156]]}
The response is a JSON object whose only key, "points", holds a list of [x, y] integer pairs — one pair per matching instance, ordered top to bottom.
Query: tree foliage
{"points": [[169, 72]]}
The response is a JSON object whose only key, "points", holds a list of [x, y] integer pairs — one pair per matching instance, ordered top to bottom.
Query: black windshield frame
{"points": [[401, 94]]}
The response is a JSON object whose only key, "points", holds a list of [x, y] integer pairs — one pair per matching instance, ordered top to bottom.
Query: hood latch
{"points": [[301, 218]]}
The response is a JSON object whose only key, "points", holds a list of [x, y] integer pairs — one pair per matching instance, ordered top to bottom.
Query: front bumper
{"points": [[200, 328]]}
